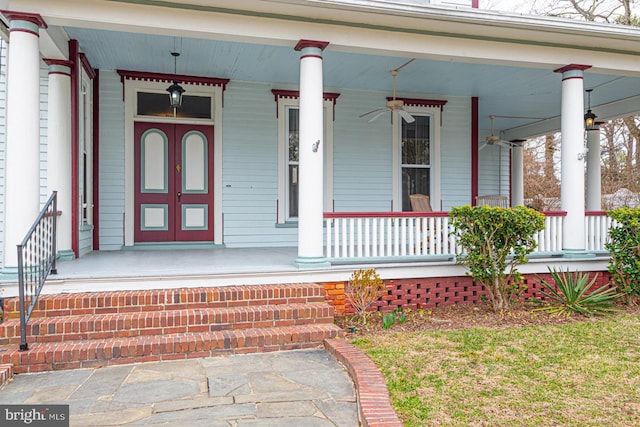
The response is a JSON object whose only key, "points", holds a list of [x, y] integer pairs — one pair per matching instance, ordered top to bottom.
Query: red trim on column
{"points": [[474, 4], [34, 18], [310, 43], [73, 56], [311, 56], [87, 66], [572, 67], [295, 94], [474, 149], [96, 160]]}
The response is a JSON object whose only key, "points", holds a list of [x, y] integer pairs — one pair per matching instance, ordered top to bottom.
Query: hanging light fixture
{"points": [[175, 90], [589, 117]]}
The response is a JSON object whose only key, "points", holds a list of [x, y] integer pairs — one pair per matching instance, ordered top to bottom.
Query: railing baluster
{"points": [[402, 234], [36, 260]]}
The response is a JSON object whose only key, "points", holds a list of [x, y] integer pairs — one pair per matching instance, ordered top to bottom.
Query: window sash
{"points": [[415, 156]]}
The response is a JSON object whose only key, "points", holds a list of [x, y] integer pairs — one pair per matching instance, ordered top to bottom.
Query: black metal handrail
{"points": [[36, 259]]}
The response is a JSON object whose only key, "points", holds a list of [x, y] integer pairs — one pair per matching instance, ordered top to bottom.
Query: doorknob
{"points": [[179, 195]]}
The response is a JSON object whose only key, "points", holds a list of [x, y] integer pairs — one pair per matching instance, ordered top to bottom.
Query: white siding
{"points": [[3, 136], [455, 149], [111, 152], [362, 154], [493, 169], [250, 175], [362, 177], [85, 241]]}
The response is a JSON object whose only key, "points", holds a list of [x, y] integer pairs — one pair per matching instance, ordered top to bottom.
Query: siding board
{"points": [[111, 152]]}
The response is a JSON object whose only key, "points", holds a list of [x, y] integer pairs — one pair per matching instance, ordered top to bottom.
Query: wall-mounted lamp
{"points": [[175, 90], [589, 117]]}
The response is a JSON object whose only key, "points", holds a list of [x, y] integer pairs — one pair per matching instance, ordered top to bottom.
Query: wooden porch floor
{"points": [[180, 268]]}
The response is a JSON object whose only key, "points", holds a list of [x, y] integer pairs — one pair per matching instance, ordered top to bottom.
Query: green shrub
{"points": [[494, 241], [624, 248], [363, 289], [574, 294]]}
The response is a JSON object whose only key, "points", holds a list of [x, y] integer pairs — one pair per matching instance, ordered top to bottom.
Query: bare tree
{"points": [[620, 139]]}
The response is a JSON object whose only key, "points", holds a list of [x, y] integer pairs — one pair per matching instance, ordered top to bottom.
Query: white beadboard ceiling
{"points": [[502, 90]]}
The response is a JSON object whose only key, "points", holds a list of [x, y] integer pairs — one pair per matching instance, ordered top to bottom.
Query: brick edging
{"points": [[374, 404]]}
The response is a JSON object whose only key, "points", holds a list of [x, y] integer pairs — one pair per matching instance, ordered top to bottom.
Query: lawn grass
{"points": [[577, 374]]}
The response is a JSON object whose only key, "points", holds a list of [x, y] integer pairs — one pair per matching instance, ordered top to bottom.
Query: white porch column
{"points": [[59, 149], [310, 149], [572, 158], [517, 176], [22, 184], [594, 187]]}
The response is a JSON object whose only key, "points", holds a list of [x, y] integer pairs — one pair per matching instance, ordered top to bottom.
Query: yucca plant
{"points": [[574, 295]]}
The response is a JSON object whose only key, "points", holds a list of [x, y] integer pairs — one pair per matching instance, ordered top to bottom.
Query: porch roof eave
{"points": [[387, 16]]}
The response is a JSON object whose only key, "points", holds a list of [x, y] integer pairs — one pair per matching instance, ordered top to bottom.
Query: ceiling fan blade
{"points": [[384, 110], [372, 111], [406, 116], [483, 146]]}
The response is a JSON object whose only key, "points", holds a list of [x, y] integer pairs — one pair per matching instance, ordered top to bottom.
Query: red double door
{"points": [[173, 182]]}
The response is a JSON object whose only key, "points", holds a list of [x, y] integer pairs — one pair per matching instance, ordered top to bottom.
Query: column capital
{"points": [[32, 18], [302, 44], [59, 66], [572, 71]]}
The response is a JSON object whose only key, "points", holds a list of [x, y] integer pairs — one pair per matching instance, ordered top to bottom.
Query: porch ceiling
{"points": [[501, 89]]}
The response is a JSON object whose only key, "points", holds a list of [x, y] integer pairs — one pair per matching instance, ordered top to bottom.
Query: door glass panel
{"points": [[154, 162], [194, 163]]}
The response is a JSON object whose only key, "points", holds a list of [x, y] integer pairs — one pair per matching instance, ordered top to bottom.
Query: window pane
{"points": [[157, 104], [294, 134], [415, 141], [414, 181], [293, 191]]}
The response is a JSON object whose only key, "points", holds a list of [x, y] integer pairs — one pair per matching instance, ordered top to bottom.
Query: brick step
{"points": [[167, 299], [119, 325], [97, 353], [6, 374]]}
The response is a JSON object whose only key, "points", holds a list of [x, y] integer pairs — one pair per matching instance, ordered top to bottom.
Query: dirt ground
{"points": [[462, 316]]}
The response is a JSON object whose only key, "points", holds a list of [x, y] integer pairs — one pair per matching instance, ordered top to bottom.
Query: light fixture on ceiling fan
{"points": [[393, 105]]}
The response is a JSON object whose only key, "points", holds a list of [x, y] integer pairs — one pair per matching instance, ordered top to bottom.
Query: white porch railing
{"points": [[597, 225], [365, 235], [360, 236], [550, 239]]}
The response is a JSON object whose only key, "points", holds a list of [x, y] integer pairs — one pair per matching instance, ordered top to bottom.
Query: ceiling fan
{"points": [[393, 104], [496, 140]]}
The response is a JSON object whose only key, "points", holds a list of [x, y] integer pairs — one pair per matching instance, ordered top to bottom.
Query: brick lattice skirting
{"points": [[435, 291], [373, 396]]}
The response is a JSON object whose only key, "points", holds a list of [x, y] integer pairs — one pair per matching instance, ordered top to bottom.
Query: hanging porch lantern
{"points": [[175, 90]]}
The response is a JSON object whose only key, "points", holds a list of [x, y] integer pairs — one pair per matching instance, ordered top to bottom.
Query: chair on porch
{"points": [[492, 200], [420, 203]]}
